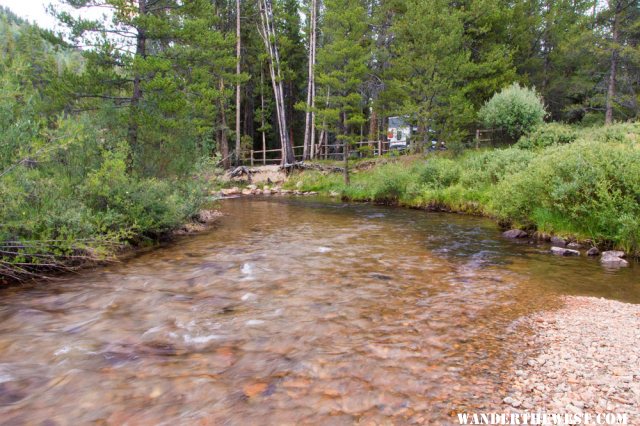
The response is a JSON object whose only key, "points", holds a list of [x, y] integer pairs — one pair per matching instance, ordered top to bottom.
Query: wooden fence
{"points": [[493, 137], [334, 151]]}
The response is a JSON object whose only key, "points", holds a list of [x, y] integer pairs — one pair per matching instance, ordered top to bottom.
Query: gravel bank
{"points": [[584, 357]]}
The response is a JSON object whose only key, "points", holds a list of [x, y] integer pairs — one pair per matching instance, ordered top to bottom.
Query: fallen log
{"points": [[241, 171]]}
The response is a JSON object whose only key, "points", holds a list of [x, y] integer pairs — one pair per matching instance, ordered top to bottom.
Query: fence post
{"points": [[477, 138], [252, 158]]}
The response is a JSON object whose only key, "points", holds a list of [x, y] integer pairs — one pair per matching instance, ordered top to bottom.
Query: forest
{"points": [[110, 128]]}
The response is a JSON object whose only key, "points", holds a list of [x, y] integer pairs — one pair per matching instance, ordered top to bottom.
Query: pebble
{"points": [[248, 296], [587, 361], [511, 401]]}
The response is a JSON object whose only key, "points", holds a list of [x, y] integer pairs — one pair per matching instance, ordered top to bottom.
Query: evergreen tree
{"points": [[342, 68], [429, 68]]}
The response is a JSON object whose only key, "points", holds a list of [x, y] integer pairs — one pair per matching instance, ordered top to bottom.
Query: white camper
{"points": [[398, 133]]}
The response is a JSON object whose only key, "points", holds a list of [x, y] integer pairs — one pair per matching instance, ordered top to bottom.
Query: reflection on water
{"points": [[290, 312]]}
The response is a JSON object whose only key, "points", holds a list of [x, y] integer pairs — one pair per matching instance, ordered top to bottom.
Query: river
{"points": [[290, 311]]}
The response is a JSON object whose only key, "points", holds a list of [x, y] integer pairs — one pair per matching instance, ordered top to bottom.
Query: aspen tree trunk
{"points": [[268, 34], [238, 46], [313, 75], [611, 90], [313, 118], [309, 125], [222, 132], [323, 133], [264, 136], [345, 147]]}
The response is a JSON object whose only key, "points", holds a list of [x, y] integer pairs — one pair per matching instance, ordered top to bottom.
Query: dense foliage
{"points": [[516, 110], [588, 189], [69, 191]]}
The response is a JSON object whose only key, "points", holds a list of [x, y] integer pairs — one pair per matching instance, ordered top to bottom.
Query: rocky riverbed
{"points": [[581, 358]]}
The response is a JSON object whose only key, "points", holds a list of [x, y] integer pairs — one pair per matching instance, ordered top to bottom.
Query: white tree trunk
{"points": [[268, 34], [238, 46], [309, 125], [264, 136]]}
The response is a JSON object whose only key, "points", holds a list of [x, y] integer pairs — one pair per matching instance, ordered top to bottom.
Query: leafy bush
{"points": [[516, 110], [558, 134], [548, 135], [490, 167], [439, 173], [386, 184], [589, 189]]}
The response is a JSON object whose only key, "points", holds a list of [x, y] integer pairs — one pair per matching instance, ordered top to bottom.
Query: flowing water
{"points": [[289, 312]]}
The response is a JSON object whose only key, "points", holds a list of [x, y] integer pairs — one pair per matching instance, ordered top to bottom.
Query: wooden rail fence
{"points": [[363, 148]]}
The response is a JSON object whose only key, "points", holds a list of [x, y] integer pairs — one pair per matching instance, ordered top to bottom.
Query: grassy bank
{"points": [[578, 183]]}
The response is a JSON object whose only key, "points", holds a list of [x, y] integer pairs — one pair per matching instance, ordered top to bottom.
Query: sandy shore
{"points": [[582, 358]]}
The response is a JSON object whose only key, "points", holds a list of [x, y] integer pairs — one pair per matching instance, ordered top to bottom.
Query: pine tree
{"points": [[342, 68], [429, 69]]}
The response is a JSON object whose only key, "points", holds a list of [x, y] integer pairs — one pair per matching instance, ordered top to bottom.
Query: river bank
{"points": [[585, 191], [89, 256], [581, 358]]}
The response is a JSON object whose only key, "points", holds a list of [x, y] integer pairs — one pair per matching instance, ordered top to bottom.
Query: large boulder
{"points": [[515, 233]]}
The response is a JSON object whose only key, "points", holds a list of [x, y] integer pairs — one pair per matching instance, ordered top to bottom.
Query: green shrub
{"points": [[516, 110], [621, 133], [558, 134], [547, 135], [490, 167], [438, 172], [385, 184], [588, 189], [147, 206]]}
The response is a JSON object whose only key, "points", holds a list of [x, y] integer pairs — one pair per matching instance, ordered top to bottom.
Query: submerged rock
{"points": [[515, 233], [561, 251], [593, 251], [613, 253], [613, 258]]}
